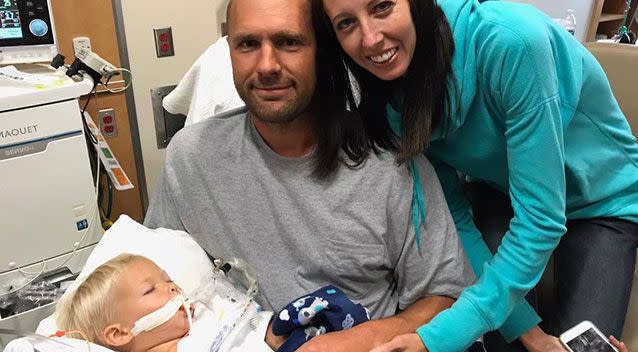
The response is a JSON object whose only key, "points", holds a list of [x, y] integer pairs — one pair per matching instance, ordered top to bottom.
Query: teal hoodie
{"points": [[534, 116]]}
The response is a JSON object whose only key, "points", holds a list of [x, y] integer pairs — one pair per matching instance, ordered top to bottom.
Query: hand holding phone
{"points": [[585, 337], [620, 346]]}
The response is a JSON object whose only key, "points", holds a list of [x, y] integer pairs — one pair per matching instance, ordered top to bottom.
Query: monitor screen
{"points": [[10, 23], [25, 23], [26, 31]]}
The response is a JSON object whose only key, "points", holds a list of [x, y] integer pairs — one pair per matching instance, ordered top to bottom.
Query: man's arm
{"points": [[162, 212], [427, 277], [373, 333]]}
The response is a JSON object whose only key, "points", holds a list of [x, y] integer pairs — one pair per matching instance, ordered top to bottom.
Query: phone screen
{"points": [[589, 341]]}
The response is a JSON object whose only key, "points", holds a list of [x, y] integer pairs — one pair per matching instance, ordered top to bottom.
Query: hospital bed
{"points": [[174, 251]]}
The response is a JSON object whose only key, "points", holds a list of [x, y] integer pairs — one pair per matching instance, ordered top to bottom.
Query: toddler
{"points": [[130, 304], [113, 306]]}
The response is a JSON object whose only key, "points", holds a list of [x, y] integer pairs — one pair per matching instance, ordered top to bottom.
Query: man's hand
{"points": [[374, 333], [360, 338], [272, 340], [536, 340], [333, 342], [403, 343]]}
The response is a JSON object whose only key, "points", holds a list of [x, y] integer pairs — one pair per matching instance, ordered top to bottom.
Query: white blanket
{"points": [[223, 329], [219, 330]]}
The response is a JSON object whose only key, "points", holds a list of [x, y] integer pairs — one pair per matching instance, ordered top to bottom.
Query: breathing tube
{"points": [[216, 284], [162, 315]]}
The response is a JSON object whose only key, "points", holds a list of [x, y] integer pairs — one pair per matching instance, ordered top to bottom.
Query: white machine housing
{"points": [[48, 201]]}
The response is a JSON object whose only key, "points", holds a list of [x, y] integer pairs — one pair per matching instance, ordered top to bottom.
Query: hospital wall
{"points": [[558, 9], [96, 22], [195, 25]]}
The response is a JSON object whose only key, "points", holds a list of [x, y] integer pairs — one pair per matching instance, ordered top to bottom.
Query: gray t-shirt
{"points": [[238, 198]]}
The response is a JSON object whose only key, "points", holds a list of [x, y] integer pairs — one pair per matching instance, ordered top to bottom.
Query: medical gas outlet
{"points": [[80, 43]]}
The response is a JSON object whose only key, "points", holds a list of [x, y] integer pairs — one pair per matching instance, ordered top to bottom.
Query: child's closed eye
{"points": [[148, 290]]}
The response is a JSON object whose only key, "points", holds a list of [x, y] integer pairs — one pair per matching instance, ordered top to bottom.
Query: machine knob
{"points": [[38, 27]]}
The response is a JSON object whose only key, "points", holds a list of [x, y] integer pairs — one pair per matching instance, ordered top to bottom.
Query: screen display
{"points": [[10, 21], [589, 341]]}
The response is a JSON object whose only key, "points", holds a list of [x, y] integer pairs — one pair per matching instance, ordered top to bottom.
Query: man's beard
{"points": [[287, 112]]}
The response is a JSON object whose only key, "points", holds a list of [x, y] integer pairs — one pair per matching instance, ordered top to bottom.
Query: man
{"points": [[259, 185]]}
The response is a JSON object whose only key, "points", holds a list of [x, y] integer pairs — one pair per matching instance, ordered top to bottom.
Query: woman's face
{"points": [[378, 35]]}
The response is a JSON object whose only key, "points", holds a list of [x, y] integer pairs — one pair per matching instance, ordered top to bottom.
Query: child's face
{"points": [[144, 288]]}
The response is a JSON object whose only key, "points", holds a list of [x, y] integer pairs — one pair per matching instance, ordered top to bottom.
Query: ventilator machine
{"points": [[48, 205]]}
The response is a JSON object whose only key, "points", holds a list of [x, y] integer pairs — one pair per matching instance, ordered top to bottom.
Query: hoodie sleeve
{"points": [[524, 83], [523, 317]]}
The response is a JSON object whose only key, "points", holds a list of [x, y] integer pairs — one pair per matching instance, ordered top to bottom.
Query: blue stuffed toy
{"points": [[325, 310]]}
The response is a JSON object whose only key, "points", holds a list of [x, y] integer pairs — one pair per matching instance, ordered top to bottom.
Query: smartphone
{"points": [[585, 337]]}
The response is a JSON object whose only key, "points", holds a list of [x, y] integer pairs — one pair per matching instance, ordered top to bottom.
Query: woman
{"points": [[496, 91]]}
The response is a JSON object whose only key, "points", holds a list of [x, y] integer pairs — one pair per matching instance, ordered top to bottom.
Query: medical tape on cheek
{"points": [[187, 305], [161, 316]]}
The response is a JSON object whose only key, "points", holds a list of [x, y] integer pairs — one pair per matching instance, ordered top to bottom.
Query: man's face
{"points": [[272, 48]]}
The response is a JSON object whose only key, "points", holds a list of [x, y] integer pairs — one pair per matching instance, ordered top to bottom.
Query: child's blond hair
{"points": [[91, 307]]}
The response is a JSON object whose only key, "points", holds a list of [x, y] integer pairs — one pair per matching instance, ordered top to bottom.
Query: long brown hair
{"points": [[426, 84]]}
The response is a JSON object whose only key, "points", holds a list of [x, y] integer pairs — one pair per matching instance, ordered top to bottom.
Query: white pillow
{"points": [[174, 251]]}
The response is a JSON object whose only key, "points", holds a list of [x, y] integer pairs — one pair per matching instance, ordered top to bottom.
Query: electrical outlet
{"points": [[81, 43], [108, 127]]}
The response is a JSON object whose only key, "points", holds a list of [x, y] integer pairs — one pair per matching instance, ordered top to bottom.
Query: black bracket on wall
{"points": [[166, 124]]}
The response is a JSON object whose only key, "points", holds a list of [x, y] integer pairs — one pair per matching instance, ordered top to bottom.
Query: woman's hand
{"points": [[536, 340], [403, 343], [620, 346]]}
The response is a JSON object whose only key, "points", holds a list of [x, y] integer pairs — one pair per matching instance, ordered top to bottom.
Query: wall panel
{"points": [[94, 19]]}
